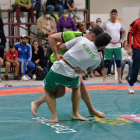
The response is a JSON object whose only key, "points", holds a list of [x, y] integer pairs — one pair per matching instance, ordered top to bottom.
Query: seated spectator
{"points": [[24, 5], [54, 5], [70, 6], [36, 7], [98, 22], [66, 23], [92, 25], [46, 26], [82, 27], [24, 57], [38, 57], [11, 59], [126, 59], [1, 62]]}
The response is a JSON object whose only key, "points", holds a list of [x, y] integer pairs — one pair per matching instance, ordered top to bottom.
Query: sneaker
{"points": [[34, 12], [34, 76], [28, 77], [17, 78], [24, 78], [131, 90]]}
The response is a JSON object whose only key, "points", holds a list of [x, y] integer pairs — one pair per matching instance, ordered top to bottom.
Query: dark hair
{"points": [[47, 11], [65, 11], [113, 11], [97, 19], [96, 30], [102, 39], [35, 41], [124, 42], [11, 46]]}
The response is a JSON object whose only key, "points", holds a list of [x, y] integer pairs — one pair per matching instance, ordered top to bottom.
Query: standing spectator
{"points": [[24, 5], [54, 5], [70, 6], [36, 7], [98, 22], [66, 23], [92, 25], [46, 26], [82, 27], [113, 28], [2, 44], [135, 51], [24, 57], [38, 57], [11, 59], [126, 59], [1, 62]]}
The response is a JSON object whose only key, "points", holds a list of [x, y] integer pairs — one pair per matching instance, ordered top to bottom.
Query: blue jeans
{"points": [[57, 7], [37, 9], [123, 63], [102, 64]]}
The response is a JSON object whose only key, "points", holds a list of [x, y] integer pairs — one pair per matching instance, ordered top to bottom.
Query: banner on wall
{"points": [[5, 4], [80, 4]]}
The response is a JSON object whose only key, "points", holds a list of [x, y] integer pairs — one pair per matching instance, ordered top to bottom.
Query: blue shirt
{"points": [[33, 1], [24, 52]]}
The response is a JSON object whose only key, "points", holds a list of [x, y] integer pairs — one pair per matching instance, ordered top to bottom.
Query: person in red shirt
{"points": [[135, 52], [11, 59]]}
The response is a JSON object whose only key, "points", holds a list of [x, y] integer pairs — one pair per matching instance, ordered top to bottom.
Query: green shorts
{"points": [[117, 52], [52, 80]]}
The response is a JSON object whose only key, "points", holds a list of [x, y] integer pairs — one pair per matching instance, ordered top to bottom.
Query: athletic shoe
{"points": [[28, 77], [34, 77], [17, 78], [24, 78], [131, 90]]}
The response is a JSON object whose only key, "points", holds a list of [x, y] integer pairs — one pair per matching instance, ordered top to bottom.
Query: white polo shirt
{"points": [[113, 29], [81, 53]]}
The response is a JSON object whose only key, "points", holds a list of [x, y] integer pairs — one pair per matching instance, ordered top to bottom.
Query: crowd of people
{"points": [[26, 57]]}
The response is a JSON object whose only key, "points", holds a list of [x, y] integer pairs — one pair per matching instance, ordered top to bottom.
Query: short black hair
{"points": [[47, 11], [113, 11], [96, 30], [102, 39], [11, 46]]}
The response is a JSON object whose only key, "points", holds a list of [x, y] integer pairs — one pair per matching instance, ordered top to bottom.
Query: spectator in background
{"points": [[62, 4], [24, 5], [54, 5], [70, 6], [36, 7], [98, 22], [66, 23], [92, 25], [46, 26], [82, 27], [2, 44], [38, 56], [24, 57], [11, 59], [126, 59], [1, 62]]}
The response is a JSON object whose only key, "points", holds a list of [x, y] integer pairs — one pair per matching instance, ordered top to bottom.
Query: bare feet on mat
{"points": [[34, 108], [98, 114], [78, 117]]}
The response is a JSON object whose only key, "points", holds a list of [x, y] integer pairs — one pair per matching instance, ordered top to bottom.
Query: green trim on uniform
{"points": [[66, 36], [117, 52], [52, 80]]}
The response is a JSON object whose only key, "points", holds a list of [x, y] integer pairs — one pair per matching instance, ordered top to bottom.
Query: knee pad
{"points": [[106, 63], [118, 63]]}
